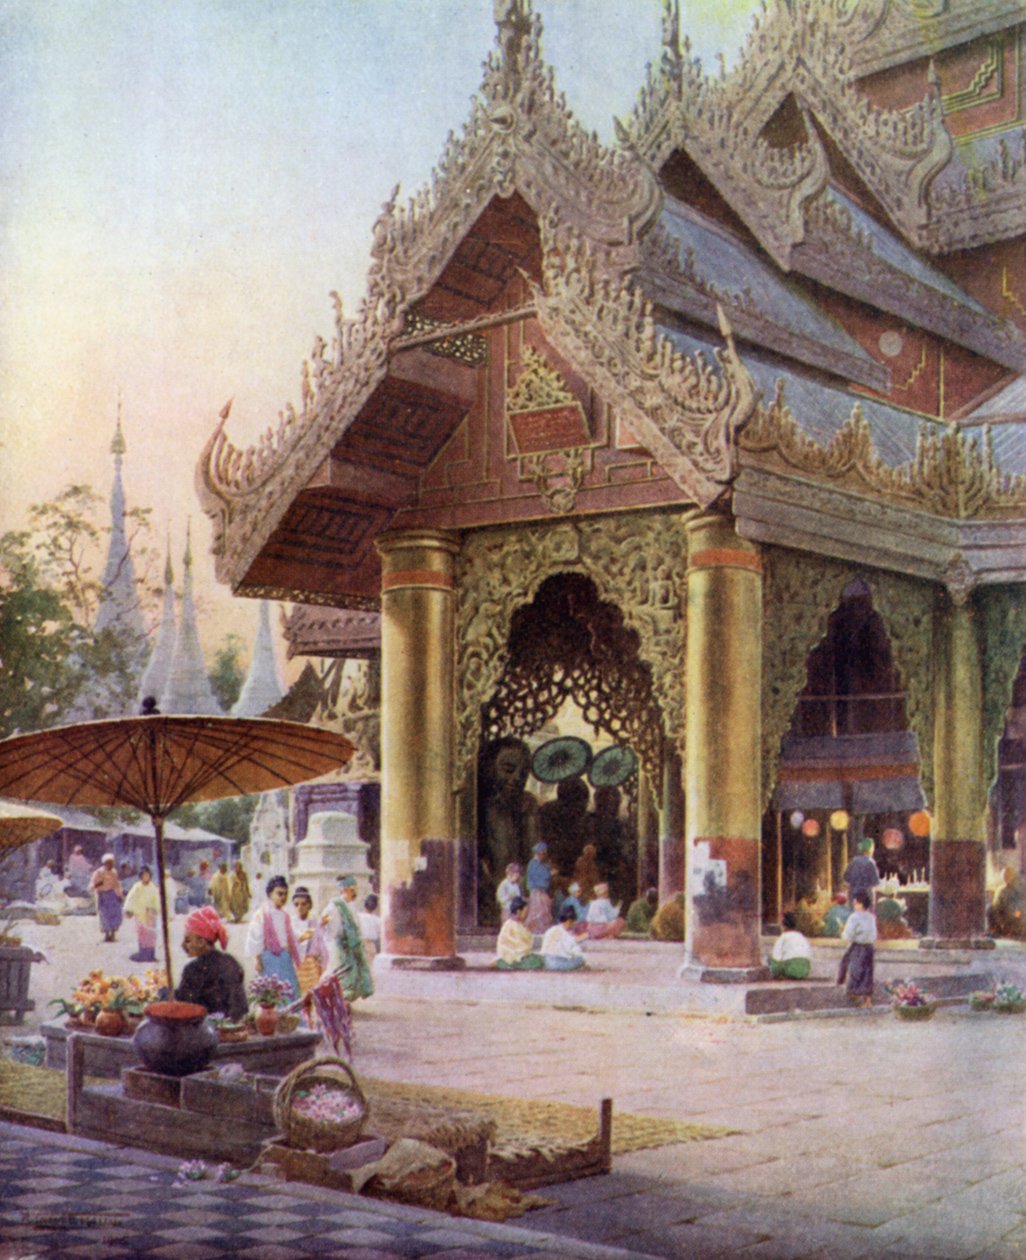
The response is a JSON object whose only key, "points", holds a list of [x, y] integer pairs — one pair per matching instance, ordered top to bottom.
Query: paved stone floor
{"points": [[859, 1135]]}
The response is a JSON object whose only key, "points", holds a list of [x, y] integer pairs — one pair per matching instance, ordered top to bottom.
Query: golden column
{"points": [[723, 752], [418, 825], [958, 839]]}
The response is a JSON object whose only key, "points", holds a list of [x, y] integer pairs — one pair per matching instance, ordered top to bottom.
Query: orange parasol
{"points": [[155, 763], [20, 825]]}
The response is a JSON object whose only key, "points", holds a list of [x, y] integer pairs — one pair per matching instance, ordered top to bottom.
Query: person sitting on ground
{"points": [[509, 889], [573, 900], [640, 913], [837, 916], [1006, 917], [603, 918], [668, 921], [891, 924], [515, 946], [560, 947], [792, 954], [213, 979]]}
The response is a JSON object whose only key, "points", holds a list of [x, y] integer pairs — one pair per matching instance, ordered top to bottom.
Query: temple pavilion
{"points": [[718, 433]]}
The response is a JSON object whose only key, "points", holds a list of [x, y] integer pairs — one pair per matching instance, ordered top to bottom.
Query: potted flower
{"points": [[268, 994], [1009, 999], [910, 1002]]}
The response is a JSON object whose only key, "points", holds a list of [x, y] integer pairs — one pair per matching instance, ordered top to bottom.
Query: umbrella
{"points": [[561, 758], [155, 763], [612, 766], [21, 825]]}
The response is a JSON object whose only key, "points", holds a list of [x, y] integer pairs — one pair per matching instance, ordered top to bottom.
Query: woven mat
{"points": [[42, 1091], [517, 1118]]}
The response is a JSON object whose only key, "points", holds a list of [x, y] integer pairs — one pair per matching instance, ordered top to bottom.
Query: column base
{"points": [[958, 942], [421, 962], [723, 975]]}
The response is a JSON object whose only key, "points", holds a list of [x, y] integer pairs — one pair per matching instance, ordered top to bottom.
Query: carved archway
{"points": [[636, 562], [567, 644]]}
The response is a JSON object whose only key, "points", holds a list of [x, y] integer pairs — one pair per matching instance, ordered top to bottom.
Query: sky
{"points": [[183, 183]]}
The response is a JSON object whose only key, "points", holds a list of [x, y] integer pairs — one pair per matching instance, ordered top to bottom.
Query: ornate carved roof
{"points": [[807, 56], [522, 162], [346, 632]]}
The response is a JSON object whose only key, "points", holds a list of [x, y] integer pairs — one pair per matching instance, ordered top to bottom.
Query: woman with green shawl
{"points": [[348, 957]]}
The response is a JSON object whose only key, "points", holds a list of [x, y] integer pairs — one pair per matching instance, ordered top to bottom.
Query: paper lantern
{"points": [[797, 818], [840, 819], [919, 823], [810, 828], [892, 838]]}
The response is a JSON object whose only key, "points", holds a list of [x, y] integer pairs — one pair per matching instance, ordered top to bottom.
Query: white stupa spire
{"points": [[119, 597], [158, 670], [262, 688], [188, 689]]}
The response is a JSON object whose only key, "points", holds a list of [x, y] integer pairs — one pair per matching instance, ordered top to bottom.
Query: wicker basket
{"points": [[304, 1131]]}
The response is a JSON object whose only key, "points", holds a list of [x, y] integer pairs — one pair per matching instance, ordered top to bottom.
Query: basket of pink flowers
{"points": [[320, 1106]]}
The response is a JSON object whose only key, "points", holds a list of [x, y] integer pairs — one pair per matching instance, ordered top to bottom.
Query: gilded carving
{"points": [[951, 474], [636, 562], [800, 592], [1002, 611], [350, 703]]}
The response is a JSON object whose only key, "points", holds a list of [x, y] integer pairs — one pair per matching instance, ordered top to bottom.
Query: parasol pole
{"points": [[158, 832]]}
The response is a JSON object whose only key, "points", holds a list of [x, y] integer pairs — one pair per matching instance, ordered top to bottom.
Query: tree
{"points": [[48, 598], [227, 676]]}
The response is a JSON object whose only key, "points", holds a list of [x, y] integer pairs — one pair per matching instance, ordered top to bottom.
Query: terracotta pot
{"points": [[266, 1020], [110, 1023], [175, 1038]]}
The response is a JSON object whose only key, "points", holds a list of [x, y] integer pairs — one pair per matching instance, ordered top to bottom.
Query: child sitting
{"points": [[603, 918], [515, 946], [560, 947], [792, 954]]}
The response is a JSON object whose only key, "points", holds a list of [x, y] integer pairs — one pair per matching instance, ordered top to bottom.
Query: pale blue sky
{"points": [[182, 182]]}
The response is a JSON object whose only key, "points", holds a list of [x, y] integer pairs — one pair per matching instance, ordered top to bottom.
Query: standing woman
{"points": [[539, 882], [107, 888], [239, 893], [143, 904], [271, 940], [313, 949], [857, 963]]}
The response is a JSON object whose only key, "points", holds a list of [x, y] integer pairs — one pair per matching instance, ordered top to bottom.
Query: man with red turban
{"points": [[214, 979]]}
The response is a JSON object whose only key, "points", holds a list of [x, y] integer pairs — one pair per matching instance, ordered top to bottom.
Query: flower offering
{"points": [[327, 1105]]}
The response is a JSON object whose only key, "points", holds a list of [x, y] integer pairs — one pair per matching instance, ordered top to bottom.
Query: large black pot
{"points": [[175, 1038]]}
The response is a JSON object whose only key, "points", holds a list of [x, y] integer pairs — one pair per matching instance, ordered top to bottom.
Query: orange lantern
{"points": [[840, 819], [919, 823], [810, 828], [892, 838]]}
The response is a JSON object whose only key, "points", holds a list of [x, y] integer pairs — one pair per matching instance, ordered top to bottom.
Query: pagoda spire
{"points": [[118, 608], [158, 669], [188, 689], [262, 689]]}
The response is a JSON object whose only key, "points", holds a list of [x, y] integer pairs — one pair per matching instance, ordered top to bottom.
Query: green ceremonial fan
{"points": [[561, 758], [612, 766]]}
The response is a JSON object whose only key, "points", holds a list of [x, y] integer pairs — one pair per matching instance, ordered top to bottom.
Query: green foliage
{"points": [[48, 599], [228, 675], [230, 817]]}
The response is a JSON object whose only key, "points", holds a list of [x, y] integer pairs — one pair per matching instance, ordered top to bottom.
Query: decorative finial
{"points": [[671, 29], [118, 446]]}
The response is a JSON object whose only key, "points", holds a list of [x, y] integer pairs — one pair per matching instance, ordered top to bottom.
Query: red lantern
{"points": [[919, 823], [810, 828], [892, 838]]}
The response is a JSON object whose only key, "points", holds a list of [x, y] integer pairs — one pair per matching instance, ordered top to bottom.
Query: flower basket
{"points": [[982, 1000], [1014, 1007], [925, 1010], [320, 1106]]}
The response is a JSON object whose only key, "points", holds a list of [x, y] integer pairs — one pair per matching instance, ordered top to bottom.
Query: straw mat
{"points": [[517, 1118]]}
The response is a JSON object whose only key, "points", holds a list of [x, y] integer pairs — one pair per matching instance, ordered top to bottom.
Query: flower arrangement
{"points": [[270, 991], [99, 992], [1003, 996], [910, 1002], [329, 1106], [197, 1170]]}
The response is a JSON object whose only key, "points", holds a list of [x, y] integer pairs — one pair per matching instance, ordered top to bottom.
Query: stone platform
{"points": [[107, 1056]]}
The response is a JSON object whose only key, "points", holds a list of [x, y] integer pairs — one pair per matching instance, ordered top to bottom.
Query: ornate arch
{"points": [[636, 562], [799, 594], [1002, 613]]}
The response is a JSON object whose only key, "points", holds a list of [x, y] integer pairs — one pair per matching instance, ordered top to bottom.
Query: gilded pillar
{"points": [[723, 761], [418, 824], [958, 837]]}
